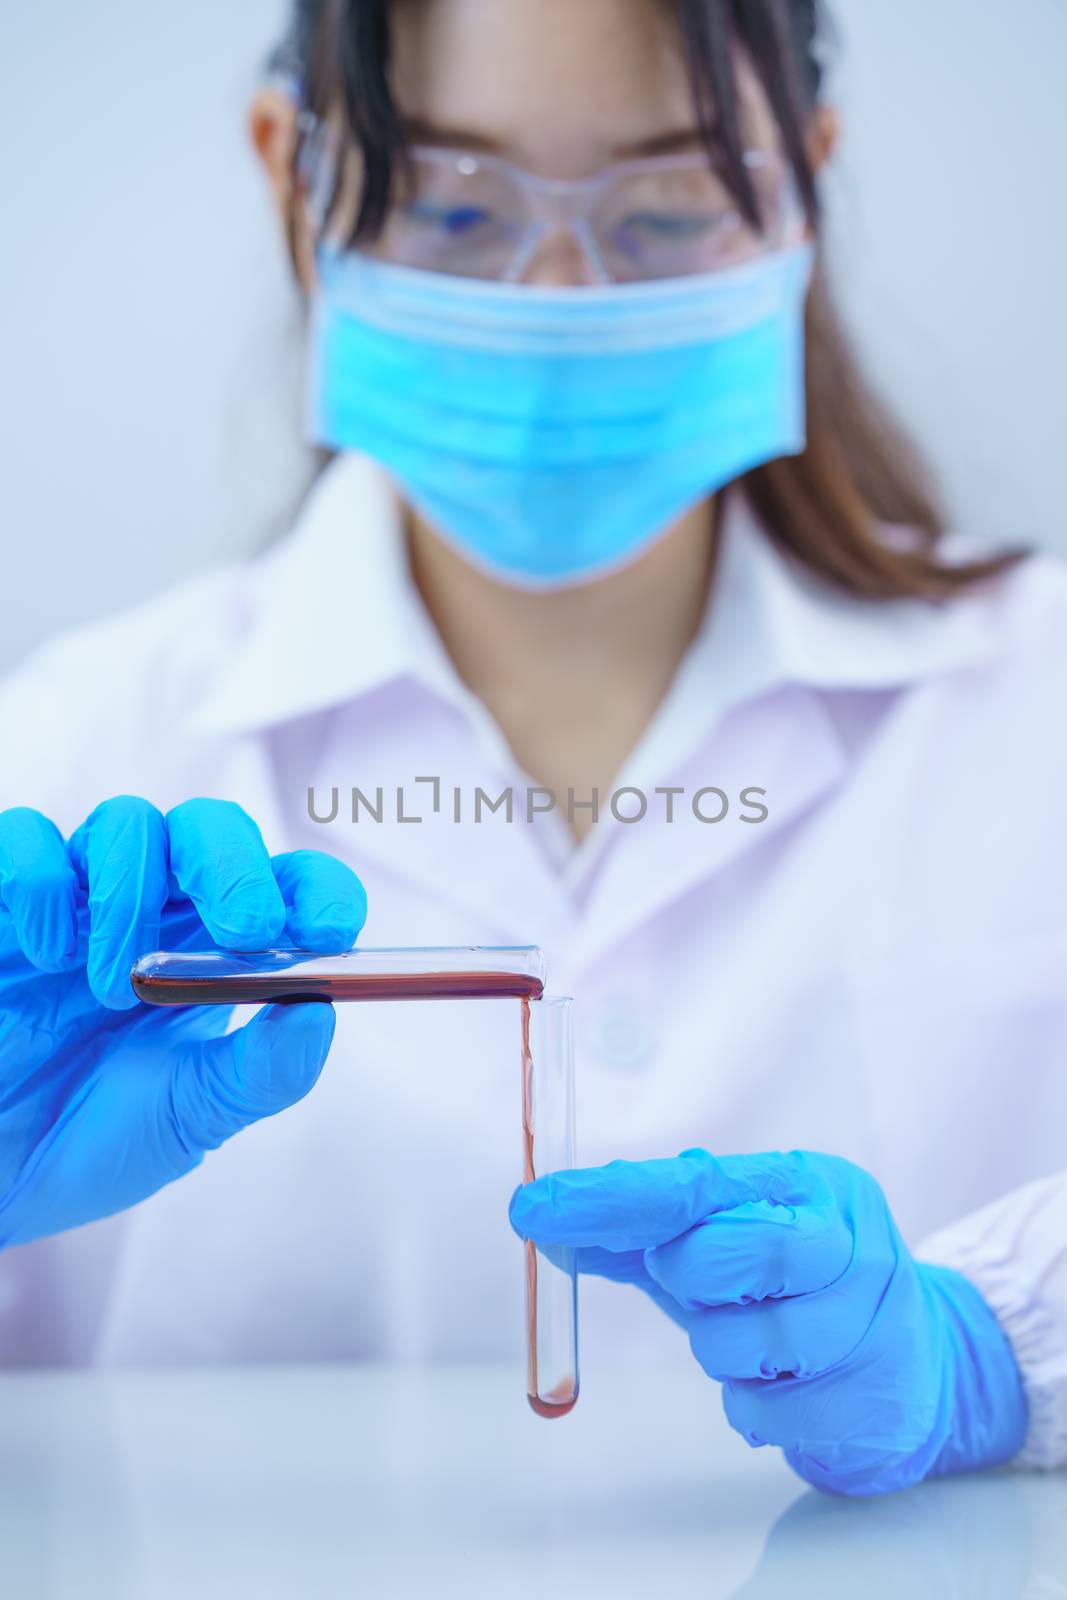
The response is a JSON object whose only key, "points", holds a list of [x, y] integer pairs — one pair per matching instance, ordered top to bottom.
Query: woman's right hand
{"points": [[103, 1099]]}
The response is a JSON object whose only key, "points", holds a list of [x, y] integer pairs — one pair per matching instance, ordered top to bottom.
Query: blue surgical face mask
{"points": [[550, 434]]}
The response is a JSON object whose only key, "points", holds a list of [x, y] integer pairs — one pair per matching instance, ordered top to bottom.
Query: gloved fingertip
{"points": [[327, 903], [246, 927], [332, 931], [325, 935], [52, 961], [111, 985], [116, 996], [303, 1019], [286, 1048], [515, 1209], [532, 1213]]}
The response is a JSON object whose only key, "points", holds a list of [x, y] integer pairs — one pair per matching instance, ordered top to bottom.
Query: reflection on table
{"points": [[330, 1481]]}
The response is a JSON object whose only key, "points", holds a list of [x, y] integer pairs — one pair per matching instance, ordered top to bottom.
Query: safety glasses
{"points": [[480, 216]]}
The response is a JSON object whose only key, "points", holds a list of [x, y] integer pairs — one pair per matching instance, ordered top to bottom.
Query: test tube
{"points": [[430, 972], [548, 1146]]}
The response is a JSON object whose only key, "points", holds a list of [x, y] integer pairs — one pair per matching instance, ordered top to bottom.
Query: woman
{"points": [[603, 535]]}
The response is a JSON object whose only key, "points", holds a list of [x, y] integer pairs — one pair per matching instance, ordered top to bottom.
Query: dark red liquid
{"points": [[262, 988]]}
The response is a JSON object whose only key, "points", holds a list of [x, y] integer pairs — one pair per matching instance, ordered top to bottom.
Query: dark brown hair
{"points": [[859, 475]]}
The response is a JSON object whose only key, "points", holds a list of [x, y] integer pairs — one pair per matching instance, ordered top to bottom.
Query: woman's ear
{"points": [[272, 126], [824, 132]]}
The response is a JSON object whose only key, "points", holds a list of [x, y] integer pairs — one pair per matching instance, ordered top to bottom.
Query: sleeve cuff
{"points": [[1015, 1254]]}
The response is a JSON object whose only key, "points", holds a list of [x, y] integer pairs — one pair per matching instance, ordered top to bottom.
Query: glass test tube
{"points": [[432, 972], [548, 1146]]}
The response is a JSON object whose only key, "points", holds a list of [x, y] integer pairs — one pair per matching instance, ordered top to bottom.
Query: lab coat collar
{"points": [[334, 614], [771, 622]]}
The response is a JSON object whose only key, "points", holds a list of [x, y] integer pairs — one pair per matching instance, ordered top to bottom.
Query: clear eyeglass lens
{"points": [[456, 217], [677, 222]]}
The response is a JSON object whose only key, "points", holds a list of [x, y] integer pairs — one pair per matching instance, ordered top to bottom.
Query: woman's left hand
{"points": [[870, 1370]]}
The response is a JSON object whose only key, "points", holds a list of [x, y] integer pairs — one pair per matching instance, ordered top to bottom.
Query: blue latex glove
{"points": [[103, 1099], [870, 1370]]}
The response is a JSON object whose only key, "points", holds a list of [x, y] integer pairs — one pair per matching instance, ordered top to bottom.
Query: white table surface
{"points": [[367, 1481]]}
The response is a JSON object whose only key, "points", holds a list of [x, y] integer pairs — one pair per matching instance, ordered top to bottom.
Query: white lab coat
{"points": [[876, 970]]}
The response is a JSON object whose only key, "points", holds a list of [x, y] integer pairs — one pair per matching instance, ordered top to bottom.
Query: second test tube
{"points": [[548, 1146]]}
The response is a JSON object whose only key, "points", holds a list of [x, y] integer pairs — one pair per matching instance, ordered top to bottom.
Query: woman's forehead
{"points": [[560, 85]]}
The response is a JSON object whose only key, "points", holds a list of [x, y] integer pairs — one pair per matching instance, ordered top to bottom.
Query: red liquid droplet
{"points": [[545, 1406]]}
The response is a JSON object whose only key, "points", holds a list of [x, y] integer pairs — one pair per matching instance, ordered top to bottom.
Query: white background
{"points": [[149, 342]]}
